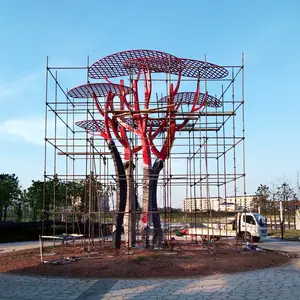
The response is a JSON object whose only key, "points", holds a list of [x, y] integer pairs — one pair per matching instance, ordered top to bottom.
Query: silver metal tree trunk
{"points": [[130, 208], [146, 208], [158, 233]]}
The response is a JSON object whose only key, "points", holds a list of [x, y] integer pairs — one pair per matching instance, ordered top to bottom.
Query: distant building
{"points": [[241, 202], [231, 203], [201, 204], [227, 206]]}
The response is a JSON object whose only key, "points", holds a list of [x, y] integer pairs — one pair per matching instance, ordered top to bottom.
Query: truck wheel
{"points": [[246, 237]]}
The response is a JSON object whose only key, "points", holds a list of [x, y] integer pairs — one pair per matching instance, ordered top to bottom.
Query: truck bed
{"points": [[211, 231]]}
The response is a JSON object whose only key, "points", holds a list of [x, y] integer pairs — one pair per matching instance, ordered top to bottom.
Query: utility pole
{"points": [[281, 212], [281, 219]]}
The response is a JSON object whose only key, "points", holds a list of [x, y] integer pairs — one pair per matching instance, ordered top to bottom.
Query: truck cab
{"points": [[251, 225]]}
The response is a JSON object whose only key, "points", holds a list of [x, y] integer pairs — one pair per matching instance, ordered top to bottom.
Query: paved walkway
{"points": [[268, 243], [281, 245], [16, 246], [9, 247], [269, 284]]}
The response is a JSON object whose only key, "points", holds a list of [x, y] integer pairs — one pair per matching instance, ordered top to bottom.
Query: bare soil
{"points": [[181, 260]]}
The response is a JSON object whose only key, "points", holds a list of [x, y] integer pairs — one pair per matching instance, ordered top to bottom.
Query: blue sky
{"points": [[67, 31]]}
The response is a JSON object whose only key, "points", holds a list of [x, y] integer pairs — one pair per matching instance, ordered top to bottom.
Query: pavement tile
{"points": [[268, 284]]}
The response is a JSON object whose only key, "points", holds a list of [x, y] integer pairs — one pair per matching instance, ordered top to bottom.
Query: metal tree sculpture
{"points": [[137, 62], [113, 66], [147, 135], [125, 193]]}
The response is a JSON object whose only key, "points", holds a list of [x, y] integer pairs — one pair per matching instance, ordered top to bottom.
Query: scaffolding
{"points": [[203, 165]]}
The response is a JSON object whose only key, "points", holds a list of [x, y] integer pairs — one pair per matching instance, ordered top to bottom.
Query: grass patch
{"points": [[291, 233], [185, 257], [141, 258]]}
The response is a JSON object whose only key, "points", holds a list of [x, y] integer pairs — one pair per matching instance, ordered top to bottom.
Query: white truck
{"points": [[247, 225]]}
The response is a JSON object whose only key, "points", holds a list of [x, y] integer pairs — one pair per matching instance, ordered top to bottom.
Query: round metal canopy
{"points": [[129, 62], [154, 64], [113, 65], [185, 67], [201, 69], [99, 89], [188, 98], [91, 125], [94, 125]]}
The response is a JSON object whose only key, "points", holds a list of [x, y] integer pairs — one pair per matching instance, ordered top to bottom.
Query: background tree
{"points": [[298, 186], [9, 191], [71, 195], [35, 196], [288, 196], [41, 197], [261, 198], [19, 205]]}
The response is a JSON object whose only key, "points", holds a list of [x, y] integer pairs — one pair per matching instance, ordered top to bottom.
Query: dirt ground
{"points": [[181, 260]]}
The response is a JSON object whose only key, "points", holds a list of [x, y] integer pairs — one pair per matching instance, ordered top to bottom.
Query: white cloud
{"points": [[30, 82], [6, 92], [30, 129]]}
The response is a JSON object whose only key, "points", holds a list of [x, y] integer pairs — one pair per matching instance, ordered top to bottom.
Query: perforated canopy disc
{"points": [[130, 62], [113, 65], [185, 67], [202, 69], [99, 89], [188, 98], [91, 125], [95, 125]]}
